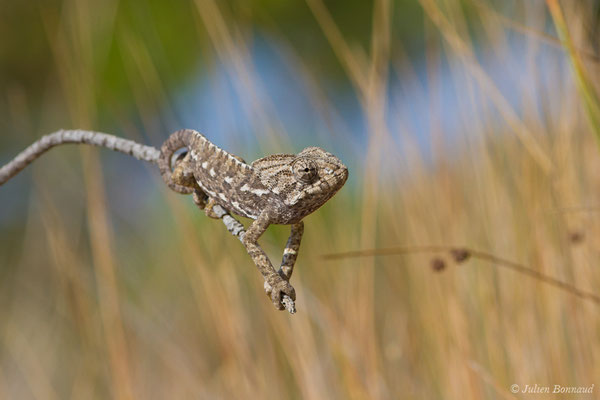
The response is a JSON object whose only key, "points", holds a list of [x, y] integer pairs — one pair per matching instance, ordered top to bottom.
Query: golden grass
{"points": [[173, 307]]}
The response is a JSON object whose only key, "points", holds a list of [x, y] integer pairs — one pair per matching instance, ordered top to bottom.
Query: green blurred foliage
{"points": [[176, 41]]}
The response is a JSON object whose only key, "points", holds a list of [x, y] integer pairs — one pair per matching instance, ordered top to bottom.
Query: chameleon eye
{"points": [[305, 170]]}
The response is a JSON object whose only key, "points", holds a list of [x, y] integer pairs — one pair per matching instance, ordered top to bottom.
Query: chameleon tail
{"points": [[176, 141], [31, 153]]}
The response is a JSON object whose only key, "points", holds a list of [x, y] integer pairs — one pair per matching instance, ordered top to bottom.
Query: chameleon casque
{"points": [[276, 189]]}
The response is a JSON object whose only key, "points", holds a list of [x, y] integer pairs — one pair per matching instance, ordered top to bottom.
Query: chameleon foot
{"points": [[200, 199], [208, 209], [282, 294]]}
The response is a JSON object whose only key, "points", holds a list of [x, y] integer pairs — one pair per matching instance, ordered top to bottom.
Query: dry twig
{"points": [[461, 254]]}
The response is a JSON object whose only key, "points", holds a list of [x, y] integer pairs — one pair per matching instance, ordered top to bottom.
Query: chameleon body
{"points": [[277, 189]]}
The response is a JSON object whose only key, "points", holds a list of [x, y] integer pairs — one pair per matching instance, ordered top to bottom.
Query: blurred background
{"points": [[472, 123]]}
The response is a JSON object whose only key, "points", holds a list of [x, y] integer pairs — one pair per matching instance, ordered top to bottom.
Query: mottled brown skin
{"points": [[277, 189]]}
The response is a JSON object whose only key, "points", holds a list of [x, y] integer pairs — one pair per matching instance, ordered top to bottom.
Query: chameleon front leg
{"points": [[291, 250], [275, 284]]}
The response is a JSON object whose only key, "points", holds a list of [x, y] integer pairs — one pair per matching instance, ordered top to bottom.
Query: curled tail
{"points": [[176, 141], [31, 153]]}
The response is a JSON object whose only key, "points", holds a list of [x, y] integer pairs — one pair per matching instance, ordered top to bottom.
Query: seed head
{"points": [[576, 237], [460, 255], [437, 264]]}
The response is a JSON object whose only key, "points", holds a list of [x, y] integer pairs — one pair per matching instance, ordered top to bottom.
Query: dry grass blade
{"points": [[526, 30], [232, 50], [73, 58], [352, 59], [588, 93], [524, 134], [108, 292], [487, 378]]}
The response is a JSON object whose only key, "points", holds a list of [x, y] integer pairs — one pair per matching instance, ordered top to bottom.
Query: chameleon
{"points": [[276, 189]]}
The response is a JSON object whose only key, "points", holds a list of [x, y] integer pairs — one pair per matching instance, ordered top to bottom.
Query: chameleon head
{"points": [[317, 175]]}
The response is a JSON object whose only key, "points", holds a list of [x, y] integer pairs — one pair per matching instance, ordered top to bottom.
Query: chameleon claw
{"points": [[208, 209], [282, 295]]}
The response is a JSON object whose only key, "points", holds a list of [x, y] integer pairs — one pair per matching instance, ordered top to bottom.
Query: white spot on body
{"points": [[219, 150], [232, 158], [204, 164], [212, 172], [228, 179], [245, 188], [313, 189], [260, 192], [223, 197], [295, 198], [289, 251]]}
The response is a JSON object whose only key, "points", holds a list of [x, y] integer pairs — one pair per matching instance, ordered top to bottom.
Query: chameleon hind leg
{"points": [[182, 175], [200, 198], [206, 204], [208, 209]]}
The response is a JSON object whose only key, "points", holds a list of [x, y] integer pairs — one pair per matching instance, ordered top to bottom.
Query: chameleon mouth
{"points": [[344, 173], [337, 176], [340, 176]]}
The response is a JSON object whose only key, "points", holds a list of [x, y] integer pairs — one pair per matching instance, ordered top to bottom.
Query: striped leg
{"points": [[291, 250], [275, 285]]}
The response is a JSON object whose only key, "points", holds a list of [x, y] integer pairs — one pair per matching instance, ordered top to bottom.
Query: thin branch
{"points": [[77, 136], [574, 210], [460, 254]]}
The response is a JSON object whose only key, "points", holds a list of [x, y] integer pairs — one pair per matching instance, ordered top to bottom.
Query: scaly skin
{"points": [[277, 189]]}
